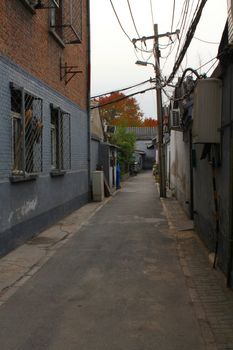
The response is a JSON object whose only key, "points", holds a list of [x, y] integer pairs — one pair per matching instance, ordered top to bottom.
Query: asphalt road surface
{"points": [[115, 285]]}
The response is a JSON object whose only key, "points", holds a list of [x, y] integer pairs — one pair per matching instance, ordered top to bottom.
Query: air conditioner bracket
{"points": [[68, 72]]}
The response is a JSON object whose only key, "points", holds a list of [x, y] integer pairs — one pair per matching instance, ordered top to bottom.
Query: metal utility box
{"points": [[207, 109], [98, 186]]}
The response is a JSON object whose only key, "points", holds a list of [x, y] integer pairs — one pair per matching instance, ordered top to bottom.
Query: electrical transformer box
{"points": [[207, 108]]}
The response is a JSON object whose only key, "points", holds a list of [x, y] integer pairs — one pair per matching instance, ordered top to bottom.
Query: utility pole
{"points": [[158, 85], [162, 175]]}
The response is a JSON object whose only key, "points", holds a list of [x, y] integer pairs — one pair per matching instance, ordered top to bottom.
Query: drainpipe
{"points": [[88, 72], [216, 206], [191, 209]]}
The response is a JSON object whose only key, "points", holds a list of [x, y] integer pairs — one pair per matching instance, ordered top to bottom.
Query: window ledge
{"points": [[27, 4], [57, 37], [55, 173], [22, 178]]}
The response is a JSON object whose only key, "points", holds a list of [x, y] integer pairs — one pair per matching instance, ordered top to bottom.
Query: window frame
{"points": [[63, 25], [26, 134], [59, 143]]}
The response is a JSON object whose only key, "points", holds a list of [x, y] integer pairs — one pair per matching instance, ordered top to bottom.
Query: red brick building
{"points": [[44, 94]]}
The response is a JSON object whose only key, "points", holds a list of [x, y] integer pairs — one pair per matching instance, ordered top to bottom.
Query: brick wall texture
{"points": [[26, 40], [30, 58]]}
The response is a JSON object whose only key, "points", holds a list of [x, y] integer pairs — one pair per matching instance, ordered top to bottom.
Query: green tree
{"points": [[126, 141]]}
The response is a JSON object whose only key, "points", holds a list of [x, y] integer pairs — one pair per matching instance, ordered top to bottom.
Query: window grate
{"points": [[67, 20], [26, 114], [60, 140]]}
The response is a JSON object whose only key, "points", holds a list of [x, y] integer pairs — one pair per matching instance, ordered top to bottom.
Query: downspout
{"points": [[88, 96], [216, 207], [191, 208]]}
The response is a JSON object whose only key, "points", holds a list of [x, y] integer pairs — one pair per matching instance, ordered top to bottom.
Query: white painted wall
{"points": [[180, 168]]}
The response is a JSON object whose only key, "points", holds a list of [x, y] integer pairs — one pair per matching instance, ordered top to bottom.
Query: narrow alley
{"points": [[116, 284]]}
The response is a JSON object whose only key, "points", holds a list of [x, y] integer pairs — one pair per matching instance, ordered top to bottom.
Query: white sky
{"points": [[113, 56]]}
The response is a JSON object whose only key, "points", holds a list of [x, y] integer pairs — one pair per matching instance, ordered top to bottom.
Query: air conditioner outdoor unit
{"points": [[230, 21], [207, 108], [175, 118]]}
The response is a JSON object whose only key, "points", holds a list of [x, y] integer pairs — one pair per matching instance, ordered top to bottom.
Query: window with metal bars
{"points": [[66, 21], [27, 126], [60, 140]]}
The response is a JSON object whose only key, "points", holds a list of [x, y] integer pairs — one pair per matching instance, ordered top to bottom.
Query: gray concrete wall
{"points": [[95, 147], [180, 168], [203, 189], [204, 199], [28, 207]]}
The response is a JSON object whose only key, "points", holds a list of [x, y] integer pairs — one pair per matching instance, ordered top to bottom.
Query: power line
{"points": [[191, 12], [152, 14], [173, 14], [181, 15], [132, 17], [185, 20], [119, 21], [172, 23], [183, 23], [188, 40], [205, 41], [149, 52], [169, 53], [203, 65], [211, 67], [195, 71], [127, 88], [123, 98]]}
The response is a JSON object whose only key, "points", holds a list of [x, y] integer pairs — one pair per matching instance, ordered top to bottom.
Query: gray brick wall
{"points": [[95, 145], [30, 200]]}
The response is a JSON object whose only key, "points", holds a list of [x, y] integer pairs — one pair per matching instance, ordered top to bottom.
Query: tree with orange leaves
{"points": [[118, 110], [149, 122]]}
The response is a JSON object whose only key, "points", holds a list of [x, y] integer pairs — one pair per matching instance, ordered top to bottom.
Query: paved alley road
{"points": [[116, 285]]}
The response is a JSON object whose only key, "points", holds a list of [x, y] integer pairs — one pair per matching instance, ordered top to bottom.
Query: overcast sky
{"points": [[114, 56]]}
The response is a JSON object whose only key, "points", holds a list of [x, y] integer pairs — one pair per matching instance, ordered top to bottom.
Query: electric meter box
{"points": [[207, 110]]}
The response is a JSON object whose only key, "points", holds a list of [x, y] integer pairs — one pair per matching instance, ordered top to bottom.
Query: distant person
{"points": [[118, 176]]}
